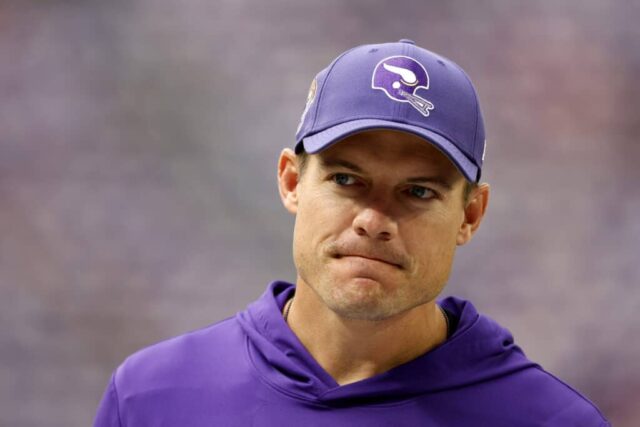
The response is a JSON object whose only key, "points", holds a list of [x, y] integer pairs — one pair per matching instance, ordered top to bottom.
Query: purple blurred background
{"points": [[138, 147]]}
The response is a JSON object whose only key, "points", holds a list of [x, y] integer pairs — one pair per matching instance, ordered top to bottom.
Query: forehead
{"points": [[391, 149]]}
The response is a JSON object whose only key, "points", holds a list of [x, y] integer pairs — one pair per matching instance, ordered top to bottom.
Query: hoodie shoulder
{"points": [[176, 357], [201, 359], [195, 363], [494, 369], [192, 379], [571, 406]]}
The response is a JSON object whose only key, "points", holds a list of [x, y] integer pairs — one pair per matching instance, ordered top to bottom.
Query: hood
{"points": [[478, 350]]}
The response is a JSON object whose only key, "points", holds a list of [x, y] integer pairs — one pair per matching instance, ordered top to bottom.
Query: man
{"points": [[384, 183]]}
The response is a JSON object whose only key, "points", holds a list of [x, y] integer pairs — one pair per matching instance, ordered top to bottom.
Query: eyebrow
{"points": [[332, 163], [432, 179], [438, 180]]}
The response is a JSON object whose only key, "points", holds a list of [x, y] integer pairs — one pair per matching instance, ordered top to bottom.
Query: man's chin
{"points": [[359, 298], [361, 312]]}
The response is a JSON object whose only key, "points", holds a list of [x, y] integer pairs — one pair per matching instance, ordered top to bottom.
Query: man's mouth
{"points": [[368, 257]]}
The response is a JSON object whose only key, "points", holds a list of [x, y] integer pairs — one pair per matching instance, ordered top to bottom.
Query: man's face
{"points": [[378, 218]]}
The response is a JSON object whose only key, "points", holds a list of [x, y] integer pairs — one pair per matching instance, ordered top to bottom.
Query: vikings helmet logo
{"points": [[400, 77]]}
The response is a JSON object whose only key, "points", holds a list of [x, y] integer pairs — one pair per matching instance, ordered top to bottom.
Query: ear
{"points": [[288, 177], [473, 213]]}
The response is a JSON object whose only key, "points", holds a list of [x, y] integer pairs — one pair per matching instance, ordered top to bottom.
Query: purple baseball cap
{"points": [[396, 86]]}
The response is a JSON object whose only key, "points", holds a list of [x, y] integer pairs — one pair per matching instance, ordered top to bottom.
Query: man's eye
{"points": [[343, 179], [421, 192]]}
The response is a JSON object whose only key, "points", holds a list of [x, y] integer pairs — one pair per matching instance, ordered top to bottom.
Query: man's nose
{"points": [[375, 223]]}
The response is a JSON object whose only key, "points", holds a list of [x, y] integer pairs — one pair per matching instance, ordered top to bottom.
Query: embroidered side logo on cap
{"points": [[399, 77], [311, 95]]}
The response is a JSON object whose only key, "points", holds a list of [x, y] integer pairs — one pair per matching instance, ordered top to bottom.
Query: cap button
{"points": [[406, 41]]}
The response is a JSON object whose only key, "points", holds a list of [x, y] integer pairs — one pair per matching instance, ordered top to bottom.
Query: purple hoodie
{"points": [[251, 370]]}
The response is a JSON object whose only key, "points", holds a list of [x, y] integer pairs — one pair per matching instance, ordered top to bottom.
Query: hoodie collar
{"points": [[479, 349]]}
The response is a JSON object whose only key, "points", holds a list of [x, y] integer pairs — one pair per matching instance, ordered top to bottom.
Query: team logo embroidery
{"points": [[399, 77], [311, 95]]}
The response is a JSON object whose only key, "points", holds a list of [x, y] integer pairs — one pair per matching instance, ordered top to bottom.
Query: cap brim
{"points": [[324, 139]]}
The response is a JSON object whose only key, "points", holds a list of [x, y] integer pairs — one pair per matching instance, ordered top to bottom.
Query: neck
{"points": [[351, 350]]}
